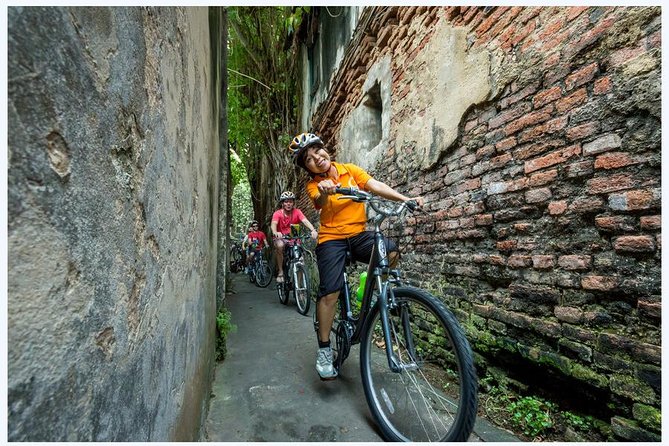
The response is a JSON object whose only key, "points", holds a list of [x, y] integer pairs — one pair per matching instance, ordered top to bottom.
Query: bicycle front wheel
{"points": [[263, 274], [301, 289], [433, 395]]}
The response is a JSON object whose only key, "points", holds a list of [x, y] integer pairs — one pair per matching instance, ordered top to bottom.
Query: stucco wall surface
{"points": [[533, 133], [113, 182]]}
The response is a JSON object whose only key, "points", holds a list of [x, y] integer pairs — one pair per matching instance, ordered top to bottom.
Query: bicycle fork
{"points": [[393, 361]]}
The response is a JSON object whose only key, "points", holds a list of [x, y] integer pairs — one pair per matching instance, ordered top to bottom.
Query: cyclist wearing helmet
{"points": [[281, 221], [342, 228], [253, 242]]}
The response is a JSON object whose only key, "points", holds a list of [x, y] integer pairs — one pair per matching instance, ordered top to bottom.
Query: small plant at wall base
{"points": [[224, 326], [532, 415], [533, 418]]}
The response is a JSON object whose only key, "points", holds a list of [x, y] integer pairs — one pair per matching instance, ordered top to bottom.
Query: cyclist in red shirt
{"points": [[281, 221], [253, 242]]}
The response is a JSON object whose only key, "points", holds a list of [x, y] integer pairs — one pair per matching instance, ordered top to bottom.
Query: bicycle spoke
{"points": [[423, 401]]}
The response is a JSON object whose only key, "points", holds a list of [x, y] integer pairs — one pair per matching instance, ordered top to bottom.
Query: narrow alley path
{"points": [[267, 388]]}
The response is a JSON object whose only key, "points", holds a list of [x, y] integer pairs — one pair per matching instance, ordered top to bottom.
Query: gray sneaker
{"points": [[324, 365]]}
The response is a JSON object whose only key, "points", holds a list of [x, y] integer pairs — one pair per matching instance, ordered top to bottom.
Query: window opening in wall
{"points": [[374, 106]]}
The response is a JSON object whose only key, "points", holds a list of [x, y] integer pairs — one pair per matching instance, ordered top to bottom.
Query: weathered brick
{"points": [[575, 11], [624, 55], [581, 76], [603, 85], [544, 97], [572, 101], [509, 115], [529, 119], [471, 124], [549, 127], [583, 131], [506, 144], [602, 144], [485, 151], [552, 159], [500, 160], [614, 160], [579, 169], [541, 178], [611, 183], [507, 186], [538, 195], [633, 200], [586, 205], [557, 207], [474, 208], [456, 212], [484, 220], [467, 222], [651, 222], [615, 223], [632, 243], [507, 245], [495, 259], [519, 261], [543, 261], [574, 262], [599, 283], [653, 309], [569, 314], [547, 328], [579, 334], [632, 388]]}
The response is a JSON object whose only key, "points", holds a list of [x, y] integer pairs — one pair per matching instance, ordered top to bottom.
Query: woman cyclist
{"points": [[342, 228]]}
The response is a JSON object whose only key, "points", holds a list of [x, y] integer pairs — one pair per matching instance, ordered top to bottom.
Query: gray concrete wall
{"points": [[113, 191]]}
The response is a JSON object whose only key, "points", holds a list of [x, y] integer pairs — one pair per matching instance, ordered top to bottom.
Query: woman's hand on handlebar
{"points": [[328, 187], [419, 202], [314, 234], [277, 235]]}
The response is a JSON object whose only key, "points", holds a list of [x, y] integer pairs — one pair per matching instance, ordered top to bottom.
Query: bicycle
{"points": [[236, 258], [259, 270], [297, 276], [417, 366]]}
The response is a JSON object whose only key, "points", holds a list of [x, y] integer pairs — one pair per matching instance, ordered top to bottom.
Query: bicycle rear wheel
{"points": [[263, 274], [301, 289], [433, 396]]}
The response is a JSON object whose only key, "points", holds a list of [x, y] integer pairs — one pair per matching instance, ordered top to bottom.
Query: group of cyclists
{"points": [[342, 229]]}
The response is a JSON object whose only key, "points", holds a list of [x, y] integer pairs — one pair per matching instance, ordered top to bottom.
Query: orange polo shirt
{"points": [[341, 218]]}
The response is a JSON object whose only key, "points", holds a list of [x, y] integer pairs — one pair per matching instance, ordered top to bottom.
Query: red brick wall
{"points": [[545, 215]]}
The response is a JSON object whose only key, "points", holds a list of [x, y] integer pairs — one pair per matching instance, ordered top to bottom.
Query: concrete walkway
{"points": [[267, 388]]}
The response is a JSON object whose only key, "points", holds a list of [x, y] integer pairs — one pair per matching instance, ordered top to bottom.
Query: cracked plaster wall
{"points": [[113, 189]]}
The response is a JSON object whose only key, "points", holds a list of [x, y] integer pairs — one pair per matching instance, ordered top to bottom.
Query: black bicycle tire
{"points": [[305, 274], [263, 275], [282, 292], [466, 412]]}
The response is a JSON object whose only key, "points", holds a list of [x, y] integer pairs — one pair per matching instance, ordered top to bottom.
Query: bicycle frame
{"points": [[379, 265]]}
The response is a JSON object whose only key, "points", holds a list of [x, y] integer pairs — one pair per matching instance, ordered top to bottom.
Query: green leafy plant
{"points": [[224, 326], [532, 415], [577, 422]]}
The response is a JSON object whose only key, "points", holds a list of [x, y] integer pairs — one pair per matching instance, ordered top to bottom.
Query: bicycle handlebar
{"points": [[357, 195]]}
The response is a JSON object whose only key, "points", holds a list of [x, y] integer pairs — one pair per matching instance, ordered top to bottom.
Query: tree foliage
{"points": [[262, 99], [242, 209]]}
